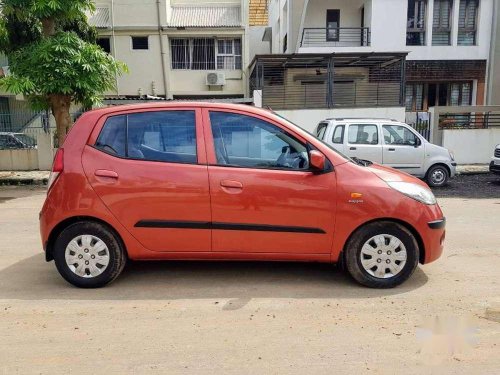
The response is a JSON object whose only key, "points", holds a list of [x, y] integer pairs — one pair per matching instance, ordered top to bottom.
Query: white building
{"points": [[447, 42], [176, 48]]}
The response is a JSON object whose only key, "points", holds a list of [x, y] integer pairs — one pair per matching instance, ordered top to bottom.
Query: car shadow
{"points": [[34, 279]]}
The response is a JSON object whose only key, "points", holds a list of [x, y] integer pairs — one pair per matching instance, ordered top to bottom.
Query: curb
{"points": [[24, 181]]}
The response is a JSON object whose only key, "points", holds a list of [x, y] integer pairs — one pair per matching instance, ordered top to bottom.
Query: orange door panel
{"points": [[164, 205], [260, 210]]}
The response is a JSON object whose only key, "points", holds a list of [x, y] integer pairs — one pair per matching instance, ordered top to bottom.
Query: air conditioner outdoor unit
{"points": [[215, 79]]}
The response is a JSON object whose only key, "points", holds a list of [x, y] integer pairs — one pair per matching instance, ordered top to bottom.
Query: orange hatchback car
{"points": [[228, 182]]}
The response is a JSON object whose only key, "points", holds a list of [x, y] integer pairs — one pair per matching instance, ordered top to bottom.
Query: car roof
{"points": [[176, 104], [361, 119]]}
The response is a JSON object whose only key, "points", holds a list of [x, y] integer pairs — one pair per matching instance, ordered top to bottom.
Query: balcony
{"points": [[336, 37]]}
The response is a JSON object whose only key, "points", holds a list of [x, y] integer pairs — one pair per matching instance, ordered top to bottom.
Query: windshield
{"points": [[25, 139], [320, 140]]}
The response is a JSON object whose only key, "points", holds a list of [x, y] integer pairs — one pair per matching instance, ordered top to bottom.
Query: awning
{"points": [[205, 16], [100, 19]]}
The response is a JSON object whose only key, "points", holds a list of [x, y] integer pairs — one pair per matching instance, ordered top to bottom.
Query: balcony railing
{"points": [[336, 37]]}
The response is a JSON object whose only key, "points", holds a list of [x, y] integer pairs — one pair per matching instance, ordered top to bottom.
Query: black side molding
{"points": [[437, 224], [225, 226]]}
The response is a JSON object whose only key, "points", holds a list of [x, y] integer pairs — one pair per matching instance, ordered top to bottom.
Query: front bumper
{"points": [[453, 168], [494, 168]]}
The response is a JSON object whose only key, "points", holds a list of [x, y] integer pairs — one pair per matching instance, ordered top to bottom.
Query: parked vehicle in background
{"points": [[9, 141], [390, 143], [495, 162], [220, 181]]}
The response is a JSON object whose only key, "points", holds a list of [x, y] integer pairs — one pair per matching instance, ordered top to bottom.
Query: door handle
{"points": [[352, 148], [392, 149], [105, 173], [231, 184]]}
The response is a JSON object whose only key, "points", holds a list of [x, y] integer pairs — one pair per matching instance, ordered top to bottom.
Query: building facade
{"points": [[447, 44], [176, 49]]}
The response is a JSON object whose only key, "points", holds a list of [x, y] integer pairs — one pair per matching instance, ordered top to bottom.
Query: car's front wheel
{"points": [[438, 176], [381, 254], [89, 255]]}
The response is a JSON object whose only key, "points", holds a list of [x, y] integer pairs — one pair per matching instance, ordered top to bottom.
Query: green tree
{"points": [[53, 58]]}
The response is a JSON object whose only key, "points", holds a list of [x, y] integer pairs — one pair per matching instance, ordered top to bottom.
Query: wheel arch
{"points": [[75, 219], [414, 232]]}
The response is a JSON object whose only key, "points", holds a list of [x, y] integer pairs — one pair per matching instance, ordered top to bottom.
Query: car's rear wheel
{"points": [[438, 176], [381, 254], [89, 255]]}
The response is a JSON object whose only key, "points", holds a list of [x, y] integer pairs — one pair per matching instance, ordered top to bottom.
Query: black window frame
{"points": [[332, 15], [414, 32], [107, 46], [139, 47], [307, 146], [126, 157]]}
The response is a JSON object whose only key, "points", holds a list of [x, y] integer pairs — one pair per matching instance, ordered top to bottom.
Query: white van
{"points": [[390, 143]]}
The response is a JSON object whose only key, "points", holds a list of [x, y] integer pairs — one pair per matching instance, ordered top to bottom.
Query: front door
{"points": [[363, 142], [402, 149], [149, 168], [264, 197]]}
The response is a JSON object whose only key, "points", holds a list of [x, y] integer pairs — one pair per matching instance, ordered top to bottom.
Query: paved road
{"points": [[248, 318]]}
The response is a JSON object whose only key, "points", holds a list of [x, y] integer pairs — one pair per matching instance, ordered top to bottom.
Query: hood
{"points": [[389, 174]]}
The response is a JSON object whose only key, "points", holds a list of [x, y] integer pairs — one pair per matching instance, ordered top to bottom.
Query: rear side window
{"points": [[338, 134], [363, 134], [168, 136], [112, 137]]}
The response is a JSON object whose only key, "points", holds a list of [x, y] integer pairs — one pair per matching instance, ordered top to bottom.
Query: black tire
{"points": [[437, 171], [352, 254], [117, 256]]}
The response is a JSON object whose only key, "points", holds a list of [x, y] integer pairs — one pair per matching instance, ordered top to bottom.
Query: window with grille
{"points": [[467, 22], [441, 23], [415, 26], [205, 53], [229, 54], [460, 93], [414, 97]]}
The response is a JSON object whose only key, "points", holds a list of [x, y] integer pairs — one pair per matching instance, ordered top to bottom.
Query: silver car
{"points": [[390, 143]]}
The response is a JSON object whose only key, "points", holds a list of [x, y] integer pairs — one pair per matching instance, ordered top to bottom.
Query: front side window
{"points": [[467, 22], [415, 25], [205, 53], [338, 134], [363, 134], [399, 135], [168, 136], [246, 141]]}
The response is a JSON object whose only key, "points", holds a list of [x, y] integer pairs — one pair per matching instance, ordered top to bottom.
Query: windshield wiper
{"points": [[364, 163]]}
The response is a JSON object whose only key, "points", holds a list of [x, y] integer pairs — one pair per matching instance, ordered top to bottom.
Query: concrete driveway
{"points": [[251, 318]]}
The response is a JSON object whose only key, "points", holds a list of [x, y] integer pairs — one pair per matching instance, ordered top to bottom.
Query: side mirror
{"points": [[418, 142], [317, 161]]}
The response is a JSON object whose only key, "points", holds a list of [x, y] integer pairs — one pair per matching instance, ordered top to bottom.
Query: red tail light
{"points": [[57, 167]]}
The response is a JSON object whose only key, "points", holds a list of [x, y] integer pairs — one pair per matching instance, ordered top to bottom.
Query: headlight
{"points": [[452, 155], [414, 191]]}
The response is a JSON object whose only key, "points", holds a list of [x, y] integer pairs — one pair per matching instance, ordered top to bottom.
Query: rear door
{"points": [[363, 142], [402, 149], [149, 168], [264, 197]]}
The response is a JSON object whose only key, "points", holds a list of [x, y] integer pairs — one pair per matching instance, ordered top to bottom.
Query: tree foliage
{"points": [[52, 54]]}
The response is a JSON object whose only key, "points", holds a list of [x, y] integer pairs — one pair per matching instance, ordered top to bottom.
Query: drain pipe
{"points": [[114, 42], [162, 47]]}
